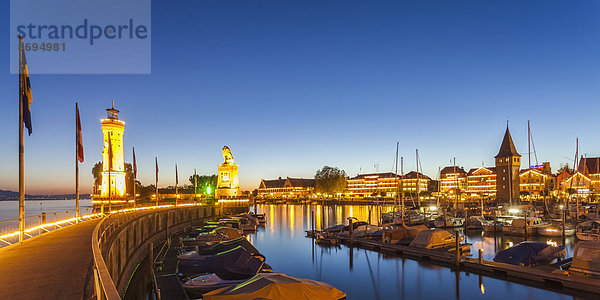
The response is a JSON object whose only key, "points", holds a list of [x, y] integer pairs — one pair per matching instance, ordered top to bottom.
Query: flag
{"points": [[24, 86], [78, 136], [110, 153], [156, 160], [134, 165], [176, 176]]}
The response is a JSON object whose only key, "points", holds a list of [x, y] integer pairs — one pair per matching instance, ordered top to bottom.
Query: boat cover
{"points": [[336, 228], [228, 232], [403, 233], [431, 238], [224, 246], [530, 253], [232, 264], [276, 286]]}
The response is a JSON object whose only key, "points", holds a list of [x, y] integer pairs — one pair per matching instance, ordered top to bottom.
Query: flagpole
{"points": [[21, 149], [76, 164], [134, 175], [109, 177], [176, 183], [156, 184], [195, 185]]}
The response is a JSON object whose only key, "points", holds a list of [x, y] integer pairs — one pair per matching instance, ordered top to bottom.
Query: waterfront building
{"points": [[508, 163], [113, 165], [453, 178], [561, 178], [586, 180], [536, 181], [409, 182], [481, 182], [375, 184], [228, 185], [286, 188]]}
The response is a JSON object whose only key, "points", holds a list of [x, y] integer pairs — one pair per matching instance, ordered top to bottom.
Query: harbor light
{"points": [[561, 206], [432, 208], [513, 211]]}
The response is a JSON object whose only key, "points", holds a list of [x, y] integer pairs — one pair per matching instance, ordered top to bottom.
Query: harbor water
{"points": [[365, 274]]}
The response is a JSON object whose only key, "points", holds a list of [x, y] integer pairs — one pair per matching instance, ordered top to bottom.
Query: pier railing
{"points": [[39, 224]]}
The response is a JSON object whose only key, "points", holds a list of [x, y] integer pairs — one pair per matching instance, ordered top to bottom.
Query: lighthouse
{"points": [[113, 167]]}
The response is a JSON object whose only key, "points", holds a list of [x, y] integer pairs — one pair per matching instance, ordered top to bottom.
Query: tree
{"points": [[565, 167], [97, 173], [330, 180], [204, 181]]}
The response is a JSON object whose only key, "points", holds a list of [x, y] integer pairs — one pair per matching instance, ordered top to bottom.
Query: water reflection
{"points": [[364, 274]]}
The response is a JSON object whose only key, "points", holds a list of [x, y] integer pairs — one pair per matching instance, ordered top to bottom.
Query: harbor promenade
{"points": [[55, 265]]}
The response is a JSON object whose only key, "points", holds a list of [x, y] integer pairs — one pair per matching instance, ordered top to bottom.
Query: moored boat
{"points": [[448, 222], [478, 222], [518, 226], [556, 229], [589, 231], [433, 239], [530, 254], [196, 286]]}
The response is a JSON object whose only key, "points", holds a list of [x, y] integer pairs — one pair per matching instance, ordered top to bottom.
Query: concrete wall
{"points": [[127, 244]]}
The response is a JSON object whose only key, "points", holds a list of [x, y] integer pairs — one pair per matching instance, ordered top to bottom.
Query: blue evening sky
{"points": [[291, 86]]}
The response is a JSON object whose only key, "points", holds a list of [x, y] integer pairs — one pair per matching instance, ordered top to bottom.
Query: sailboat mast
{"points": [[529, 144], [396, 178], [402, 188], [417, 188], [457, 188]]}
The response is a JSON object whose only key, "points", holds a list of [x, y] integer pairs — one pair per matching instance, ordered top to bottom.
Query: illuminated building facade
{"points": [[508, 164], [113, 166], [451, 178], [586, 180], [536, 181], [409, 182], [481, 182], [375, 184], [228, 185], [286, 188]]}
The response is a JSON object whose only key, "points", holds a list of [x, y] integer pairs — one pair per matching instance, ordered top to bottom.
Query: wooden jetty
{"points": [[542, 277]]}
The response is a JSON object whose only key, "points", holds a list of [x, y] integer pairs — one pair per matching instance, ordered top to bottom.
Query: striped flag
{"points": [[24, 86], [79, 139], [134, 165]]}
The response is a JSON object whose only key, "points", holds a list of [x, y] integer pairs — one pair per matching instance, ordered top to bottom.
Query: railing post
{"points": [[480, 256]]}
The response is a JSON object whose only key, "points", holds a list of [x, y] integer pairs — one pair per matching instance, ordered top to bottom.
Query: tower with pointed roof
{"points": [[508, 163]]}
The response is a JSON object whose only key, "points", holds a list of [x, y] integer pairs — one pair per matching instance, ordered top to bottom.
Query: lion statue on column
{"points": [[227, 155]]}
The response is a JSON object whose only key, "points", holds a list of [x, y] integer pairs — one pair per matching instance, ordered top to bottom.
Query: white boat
{"points": [[448, 222], [478, 222], [490, 227], [517, 227], [555, 229], [588, 231], [199, 285]]}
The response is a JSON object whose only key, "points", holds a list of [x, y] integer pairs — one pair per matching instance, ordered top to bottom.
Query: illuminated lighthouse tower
{"points": [[113, 169]]}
